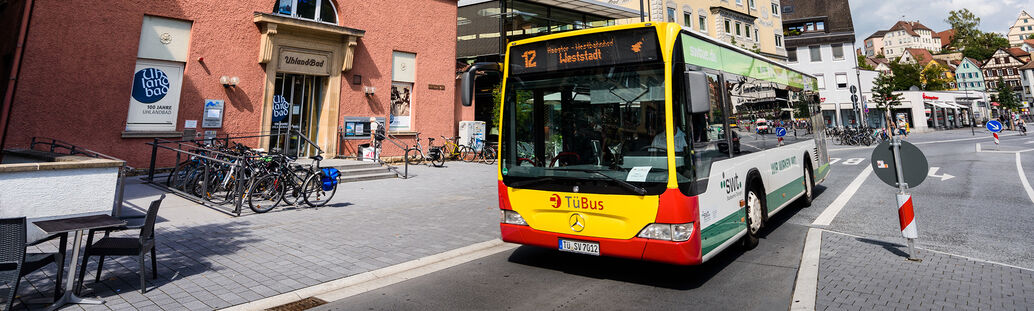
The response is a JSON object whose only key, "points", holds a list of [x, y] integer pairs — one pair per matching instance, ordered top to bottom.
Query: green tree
{"points": [[965, 24], [1030, 36], [985, 45], [863, 64], [906, 75], [933, 78], [1006, 96], [884, 97]]}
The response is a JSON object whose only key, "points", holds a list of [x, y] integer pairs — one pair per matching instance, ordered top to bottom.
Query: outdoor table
{"points": [[77, 224]]}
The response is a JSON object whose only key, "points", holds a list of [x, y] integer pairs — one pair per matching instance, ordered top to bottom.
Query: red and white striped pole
{"points": [[996, 140], [907, 216]]}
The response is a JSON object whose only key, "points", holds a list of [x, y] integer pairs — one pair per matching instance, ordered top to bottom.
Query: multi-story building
{"points": [[752, 24], [1021, 29], [909, 35], [944, 37], [819, 41], [874, 44], [1004, 64], [969, 76], [1027, 82]]}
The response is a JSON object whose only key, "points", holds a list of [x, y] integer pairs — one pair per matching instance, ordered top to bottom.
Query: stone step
{"points": [[353, 165], [352, 171], [364, 177]]}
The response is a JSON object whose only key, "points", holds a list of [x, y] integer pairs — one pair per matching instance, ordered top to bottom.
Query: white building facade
{"points": [[1021, 29], [909, 35], [927, 111]]}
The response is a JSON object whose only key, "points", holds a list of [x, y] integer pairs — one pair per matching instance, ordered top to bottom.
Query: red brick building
{"points": [[111, 76]]}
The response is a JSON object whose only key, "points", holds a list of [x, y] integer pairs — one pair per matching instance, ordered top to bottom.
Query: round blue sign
{"points": [[150, 85], [280, 107], [994, 126], [780, 131]]}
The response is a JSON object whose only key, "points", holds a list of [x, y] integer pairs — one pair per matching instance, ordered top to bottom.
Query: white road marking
{"points": [[833, 160], [853, 161], [943, 177], [1023, 178], [834, 208], [371, 280], [806, 289]]}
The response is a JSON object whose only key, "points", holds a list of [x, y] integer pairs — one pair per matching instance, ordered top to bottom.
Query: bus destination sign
{"points": [[602, 49]]}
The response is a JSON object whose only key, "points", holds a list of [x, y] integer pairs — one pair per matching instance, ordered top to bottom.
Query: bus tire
{"points": [[809, 184], [754, 213]]}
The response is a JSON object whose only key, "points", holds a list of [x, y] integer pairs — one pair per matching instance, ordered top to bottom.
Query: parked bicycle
{"points": [[477, 149], [416, 155]]}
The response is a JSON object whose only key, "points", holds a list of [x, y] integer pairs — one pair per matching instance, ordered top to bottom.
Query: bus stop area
{"points": [[211, 260]]}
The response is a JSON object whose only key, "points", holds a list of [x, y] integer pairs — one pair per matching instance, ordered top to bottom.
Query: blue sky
{"points": [[872, 15]]}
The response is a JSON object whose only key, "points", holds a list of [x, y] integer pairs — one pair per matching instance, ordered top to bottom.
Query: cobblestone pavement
{"points": [[217, 262], [863, 274]]}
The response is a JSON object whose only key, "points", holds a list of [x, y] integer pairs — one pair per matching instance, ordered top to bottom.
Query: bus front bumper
{"points": [[678, 253]]}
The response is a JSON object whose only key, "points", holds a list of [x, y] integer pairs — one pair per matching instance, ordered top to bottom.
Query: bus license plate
{"points": [[588, 248]]}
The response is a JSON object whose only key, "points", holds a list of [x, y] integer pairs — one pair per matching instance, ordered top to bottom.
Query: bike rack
{"points": [[210, 154], [120, 186]]}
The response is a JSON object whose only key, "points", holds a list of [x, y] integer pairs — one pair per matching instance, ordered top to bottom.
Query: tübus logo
{"points": [[576, 202]]}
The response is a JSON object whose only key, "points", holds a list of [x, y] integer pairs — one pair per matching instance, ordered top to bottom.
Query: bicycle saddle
{"points": [[317, 157]]}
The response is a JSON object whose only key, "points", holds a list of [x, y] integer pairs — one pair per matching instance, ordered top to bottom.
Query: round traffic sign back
{"points": [[914, 167]]}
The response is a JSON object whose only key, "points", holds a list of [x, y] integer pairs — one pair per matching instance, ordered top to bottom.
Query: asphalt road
{"points": [[982, 212]]}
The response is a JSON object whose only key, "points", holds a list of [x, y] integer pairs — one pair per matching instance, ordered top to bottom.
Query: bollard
{"points": [[997, 146], [906, 214]]}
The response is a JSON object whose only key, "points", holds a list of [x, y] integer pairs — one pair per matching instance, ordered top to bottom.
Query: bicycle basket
{"points": [[329, 178]]}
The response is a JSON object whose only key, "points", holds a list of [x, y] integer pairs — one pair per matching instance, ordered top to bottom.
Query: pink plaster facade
{"points": [[79, 60]]}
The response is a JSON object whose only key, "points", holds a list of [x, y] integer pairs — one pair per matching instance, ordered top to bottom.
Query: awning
{"points": [[938, 105]]}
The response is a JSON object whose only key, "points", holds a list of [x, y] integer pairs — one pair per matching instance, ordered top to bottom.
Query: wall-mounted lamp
{"points": [[357, 79], [229, 81], [369, 90]]}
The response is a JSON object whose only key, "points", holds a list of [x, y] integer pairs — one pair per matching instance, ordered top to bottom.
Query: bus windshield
{"points": [[600, 129]]}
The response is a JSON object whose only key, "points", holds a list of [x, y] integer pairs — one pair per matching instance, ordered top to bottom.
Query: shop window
{"points": [[316, 10], [403, 75]]}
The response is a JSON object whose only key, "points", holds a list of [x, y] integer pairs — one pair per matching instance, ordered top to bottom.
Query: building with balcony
{"points": [[755, 25]]}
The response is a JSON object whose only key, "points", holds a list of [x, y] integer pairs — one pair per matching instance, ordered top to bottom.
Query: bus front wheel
{"points": [[755, 211]]}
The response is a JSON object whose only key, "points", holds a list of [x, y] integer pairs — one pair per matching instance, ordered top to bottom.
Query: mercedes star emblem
{"points": [[577, 222]]}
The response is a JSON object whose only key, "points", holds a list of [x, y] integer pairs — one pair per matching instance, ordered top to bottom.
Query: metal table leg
{"points": [[68, 297]]}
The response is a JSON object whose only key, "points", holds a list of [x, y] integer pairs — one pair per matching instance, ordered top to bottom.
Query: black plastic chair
{"points": [[109, 246], [15, 262]]}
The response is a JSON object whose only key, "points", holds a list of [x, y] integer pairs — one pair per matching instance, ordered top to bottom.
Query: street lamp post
{"points": [[972, 105]]}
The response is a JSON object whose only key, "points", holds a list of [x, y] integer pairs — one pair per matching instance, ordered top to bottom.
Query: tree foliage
{"points": [[965, 24], [985, 45], [863, 64], [906, 75], [933, 78], [1006, 96], [884, 97]]}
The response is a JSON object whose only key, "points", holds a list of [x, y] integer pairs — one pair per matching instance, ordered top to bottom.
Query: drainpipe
{"points": [[5, 110]]}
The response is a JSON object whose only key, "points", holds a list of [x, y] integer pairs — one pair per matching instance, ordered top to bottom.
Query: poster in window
{"points": [[401, 106]]}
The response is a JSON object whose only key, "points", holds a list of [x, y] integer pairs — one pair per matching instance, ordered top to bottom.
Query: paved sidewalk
{"points": [[207, 260], [863, 274]]}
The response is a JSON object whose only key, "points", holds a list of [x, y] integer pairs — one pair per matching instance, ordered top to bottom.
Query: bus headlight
{"points": [[511, 217], [668, 232]]}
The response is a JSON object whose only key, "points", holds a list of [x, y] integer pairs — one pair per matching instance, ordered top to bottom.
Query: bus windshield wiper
{"points": [[622, 183]]}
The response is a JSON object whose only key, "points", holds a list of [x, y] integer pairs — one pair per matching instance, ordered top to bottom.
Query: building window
{"points": [[739, 2], [751, 3], [775, 9], [317, 10], [671, 15], [687, 18], [702, 23], [747, 28], [727, 29], [738, 33], [756, 36], [779, 40], [838, 51], [816, 54], [791, 55], [403, 76], [821, 79], [841, 81]]}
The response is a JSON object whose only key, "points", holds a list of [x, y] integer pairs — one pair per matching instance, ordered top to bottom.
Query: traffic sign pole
{"points": [[997, 146], [906, 214]]}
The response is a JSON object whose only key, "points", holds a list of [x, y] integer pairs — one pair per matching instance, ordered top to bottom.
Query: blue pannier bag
{"points": [[329, 178]]}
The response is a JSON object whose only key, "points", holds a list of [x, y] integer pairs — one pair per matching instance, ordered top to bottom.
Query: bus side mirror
{"points": [[467, 82], [697, 90]]}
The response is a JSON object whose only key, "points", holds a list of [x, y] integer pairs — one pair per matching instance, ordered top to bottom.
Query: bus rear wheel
{"points": [[809, 186], [755, 211]]}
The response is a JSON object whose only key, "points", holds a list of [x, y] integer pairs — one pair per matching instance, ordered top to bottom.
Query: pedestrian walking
{"points": [[903, 128]]}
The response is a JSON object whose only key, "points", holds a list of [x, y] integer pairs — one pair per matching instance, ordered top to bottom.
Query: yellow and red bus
{"points": [[616, 141]]}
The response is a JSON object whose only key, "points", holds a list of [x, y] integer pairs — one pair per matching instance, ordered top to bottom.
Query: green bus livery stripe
{"points": [[705, 54], [822, 172], [776, 198], [721, 231]]}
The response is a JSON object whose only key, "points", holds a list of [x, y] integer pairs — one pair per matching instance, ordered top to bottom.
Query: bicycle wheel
{"points": [[468, 154], [488, 155], [414, 156], [437, 158], [178, 175], [293, 185], [265, 194], [315, 195]]}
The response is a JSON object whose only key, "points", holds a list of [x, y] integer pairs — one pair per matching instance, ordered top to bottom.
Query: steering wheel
{"points": [[576, 157]]}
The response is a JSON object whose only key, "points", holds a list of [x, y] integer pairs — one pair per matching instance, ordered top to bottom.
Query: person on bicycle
{"points": [[1022, 126]]}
